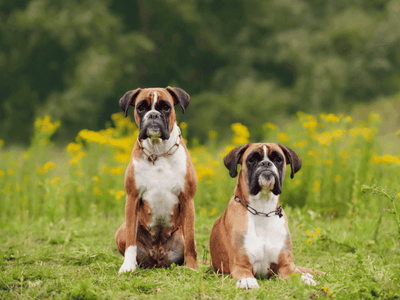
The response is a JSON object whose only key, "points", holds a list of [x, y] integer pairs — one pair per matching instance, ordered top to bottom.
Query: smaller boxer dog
{"points": [[160, 182], [252, 235]]}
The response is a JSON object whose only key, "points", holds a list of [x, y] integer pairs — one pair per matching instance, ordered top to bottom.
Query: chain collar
{"points": [[153, 157], [277, 212]]}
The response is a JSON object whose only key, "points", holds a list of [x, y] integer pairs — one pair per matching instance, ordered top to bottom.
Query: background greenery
{"points": [[240, 60]]}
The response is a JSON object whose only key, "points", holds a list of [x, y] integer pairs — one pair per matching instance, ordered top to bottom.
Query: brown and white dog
{"points": [[160, 182], [243, 244]]}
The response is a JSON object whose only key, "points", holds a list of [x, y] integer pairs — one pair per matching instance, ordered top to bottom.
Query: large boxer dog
{"points": [[160, 183], [252, 235]]}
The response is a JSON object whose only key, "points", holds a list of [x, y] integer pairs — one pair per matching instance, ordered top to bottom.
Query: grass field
{"points": [[60, 210]]}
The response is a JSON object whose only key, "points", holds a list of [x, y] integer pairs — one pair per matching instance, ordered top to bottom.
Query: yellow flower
{"points": [[322, 115], [332, 118], [376, 118], [348, 119], [311, 124], [183, 125], [270, 126], [398, 132], [337, 133], [212, 134], [241, 134], [282, 137], [324, 138], [1, 143], [301, 144], [73, 148], [228, 149], [344, 154], [25, 155], [77, 157], [122, 157], [328, 161], [49, 165], [104, 168], [203, 170], [116, 171], [10, 172], [1, 173], [79, 173], [337, 178], [96, 179], [55, 180], [209, 181], [297, 181], [317, 185], [17, 187], [79, 188], [97, 190], [203, 211], [213, 212], [300, 226], [317, 230], [308, 233], [314, 236], [308, 241], [301, 250], [325, 288]]}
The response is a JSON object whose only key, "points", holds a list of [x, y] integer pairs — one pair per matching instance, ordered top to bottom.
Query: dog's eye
{"points": [[140, 108], [165, 108], [253, 159], [278, 159]]}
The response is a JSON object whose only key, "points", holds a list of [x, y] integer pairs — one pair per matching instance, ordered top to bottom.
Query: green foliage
{"points": [[241, 61]]}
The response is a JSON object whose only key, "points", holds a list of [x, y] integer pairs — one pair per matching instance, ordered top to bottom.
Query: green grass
{"points": [[78, 259]]}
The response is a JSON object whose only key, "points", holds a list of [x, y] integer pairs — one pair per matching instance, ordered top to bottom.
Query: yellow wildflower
{"points": [[322, 115], [373, 117], [332, 118], [348, 119], [311, 124], [183, 125], [270, 126], [337, 133], [212, 134], [241, 134], [282, 137], [324, 138], [1, 143], [301, 144], [73, 148], [228, 149], [344, 154], [25, 155], [122, 157], [328, 161], [104, 168], [203, 170], [116, 171], [11, 172], [1, 173], [337, 178], [96, 179], [55, 180], [209, 181], [297, 181], [317, 185], [17, 187], [79, 188], [97, 190], [203, 211], [213, 212], [300, 226], [317, 230], [308, 233], [314, 236], [308, 241], [301, 250]]}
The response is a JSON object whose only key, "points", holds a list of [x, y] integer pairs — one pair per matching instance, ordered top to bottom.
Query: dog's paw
{"points": [[129, 264], [127, 267], [308, 279], [247, 283]]}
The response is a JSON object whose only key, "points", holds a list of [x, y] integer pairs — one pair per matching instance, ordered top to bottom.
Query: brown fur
{"points": [[180, 232], [227, 236]]}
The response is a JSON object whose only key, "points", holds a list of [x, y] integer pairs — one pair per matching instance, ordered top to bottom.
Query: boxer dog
{"points": [[160, 182], [252, 236]]}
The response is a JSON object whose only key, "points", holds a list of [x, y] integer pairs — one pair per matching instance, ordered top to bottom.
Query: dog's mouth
{"points": [[154, 130], [267, 180]]}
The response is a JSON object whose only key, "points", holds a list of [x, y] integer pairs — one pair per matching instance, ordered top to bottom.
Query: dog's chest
{"points": [[160, 184], [264, 240]]}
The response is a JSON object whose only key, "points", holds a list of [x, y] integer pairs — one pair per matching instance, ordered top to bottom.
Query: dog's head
{"points": [[155, 109], [263, 165]]}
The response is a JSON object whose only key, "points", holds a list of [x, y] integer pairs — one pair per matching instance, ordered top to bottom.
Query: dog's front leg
{"points": [[131, 219], [188, 233]]}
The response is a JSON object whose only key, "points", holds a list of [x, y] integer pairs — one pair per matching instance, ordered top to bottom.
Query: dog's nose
{"points": [[154, 115], [266, 163]]}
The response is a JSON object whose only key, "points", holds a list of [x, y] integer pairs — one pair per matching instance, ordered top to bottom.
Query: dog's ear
{"points": [[180, 97], [128, 99], [233, 158], [291, 158]]}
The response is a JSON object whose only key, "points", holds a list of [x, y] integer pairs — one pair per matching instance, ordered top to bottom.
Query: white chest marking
{"points": [[160, 184], [265, 237]]}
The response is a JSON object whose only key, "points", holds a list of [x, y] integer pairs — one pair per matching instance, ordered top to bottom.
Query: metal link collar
{"points": [[277, 212]]}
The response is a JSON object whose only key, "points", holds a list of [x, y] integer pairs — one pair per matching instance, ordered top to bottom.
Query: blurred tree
{"points": [[248, 61]]}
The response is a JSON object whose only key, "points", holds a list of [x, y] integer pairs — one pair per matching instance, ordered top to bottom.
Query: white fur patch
{"points": [[153, 109], [160, 184], [265, 237], [130, 260], [308, 279], [247, 283]]}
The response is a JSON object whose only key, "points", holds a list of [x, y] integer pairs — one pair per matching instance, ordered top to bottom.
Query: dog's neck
{"points": [[158, 146], [265, 201]]}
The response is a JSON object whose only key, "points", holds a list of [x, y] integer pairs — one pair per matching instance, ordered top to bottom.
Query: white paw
{"points": [[129, 264], [127, 267], [308, 279], [247, 283]]}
